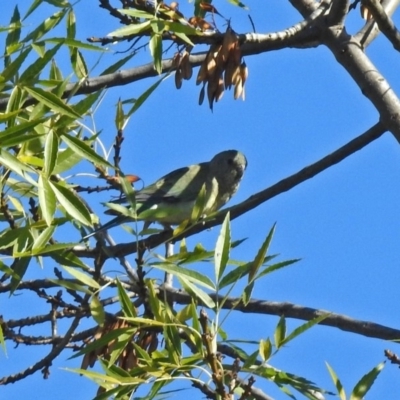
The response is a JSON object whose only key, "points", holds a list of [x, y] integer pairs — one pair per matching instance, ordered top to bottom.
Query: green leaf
{"points": [[136, 13], [71, 24], [46, 26], [14, 29], [129, 30], [75, 44], [155, 46], [78, 63], [117, 66], [13, 68], [32, 72], [143, 97], [52, 101], [18, 130], [85, 151], [50, 153], [67, 159], [11, 162], [47, 200], [73, 204], [44, 237], [222, 248], [259, 259], [19, 267], [275, 267], [186, 273], [234, 275], [82, 277], [71, 285], [196, 292], [126, 303], [97, 310], [302, 328], [280, 332], [2, 342], [265, 349], [336, 381], [365, 383]]}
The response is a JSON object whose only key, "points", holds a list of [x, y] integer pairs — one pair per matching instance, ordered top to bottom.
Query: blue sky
{"points": [[344, 223]]}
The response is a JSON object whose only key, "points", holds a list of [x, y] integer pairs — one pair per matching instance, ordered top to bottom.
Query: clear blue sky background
{"points": [[343, 223]]}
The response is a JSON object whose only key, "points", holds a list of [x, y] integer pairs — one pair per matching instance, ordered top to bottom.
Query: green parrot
{"points": [[171, 199]]}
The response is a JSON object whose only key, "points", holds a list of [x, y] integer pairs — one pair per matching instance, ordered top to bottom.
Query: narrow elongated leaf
{"points": [[136, 13], [71, 24], [46, 26], [14, 29], [133, 29], [75, 43], [155, 46], [78, 63], [117, 66], [12, 69], [32, 72], [143, 97], [52, 101], [19, 130], [85, 151], [50, 153], [66, 159], [11, 162], [73, 204], [43, 238], [222, 248], [259, 259], [19, 267], [186, 273], [234, 275], [82, 277], [197, 292], [126, 304], [302, 328], [280, 332], [364, 384], [339, 387]]}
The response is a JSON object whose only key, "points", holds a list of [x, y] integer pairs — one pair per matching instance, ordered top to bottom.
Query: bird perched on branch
{"points": [[172, 199]]}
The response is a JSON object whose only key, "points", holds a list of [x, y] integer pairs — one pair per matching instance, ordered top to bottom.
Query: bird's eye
{"points": [[230, 161]]}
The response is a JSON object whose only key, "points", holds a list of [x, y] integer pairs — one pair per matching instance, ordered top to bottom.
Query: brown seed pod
{"points": [[228, 45], [186, 67], [229, 71], [244, 72], [236, 75], [178, 78], [238, 88], [220, 90], [211, 91], [202, 94]]}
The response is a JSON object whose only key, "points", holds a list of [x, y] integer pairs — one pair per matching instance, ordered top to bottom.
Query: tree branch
{"points": [[384, 22], [370, 31], [349, 53], [261, 197], [289, 310]]}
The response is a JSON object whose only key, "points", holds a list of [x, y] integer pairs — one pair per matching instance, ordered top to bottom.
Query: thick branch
{"points": [[384, 22], [370, 31], [374, 86], [289, 310]]}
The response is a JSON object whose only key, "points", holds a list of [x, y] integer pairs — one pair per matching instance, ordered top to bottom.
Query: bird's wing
{"points": [[183, 184]]}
